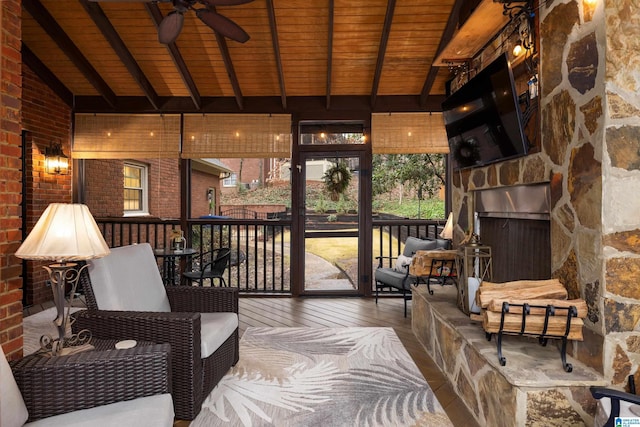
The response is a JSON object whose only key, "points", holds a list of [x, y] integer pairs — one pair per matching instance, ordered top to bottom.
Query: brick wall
{"points": [[45, 118], [251, 170], [200, 183], [10, 186], [104, 187], [164, 188]]}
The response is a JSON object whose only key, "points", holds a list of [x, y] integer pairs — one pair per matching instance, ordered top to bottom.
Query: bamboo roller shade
{"points": [[408, 133], [236, 135], [121, 136], [124, 136]]}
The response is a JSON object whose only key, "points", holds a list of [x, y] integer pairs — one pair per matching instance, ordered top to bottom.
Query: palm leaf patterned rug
{"points": [[322, 377]]}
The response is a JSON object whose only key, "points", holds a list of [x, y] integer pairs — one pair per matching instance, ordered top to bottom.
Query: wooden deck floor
{"points": [[341, 312]]}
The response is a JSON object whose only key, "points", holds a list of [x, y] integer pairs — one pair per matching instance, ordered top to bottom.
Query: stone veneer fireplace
{"points": [[586, 148]]}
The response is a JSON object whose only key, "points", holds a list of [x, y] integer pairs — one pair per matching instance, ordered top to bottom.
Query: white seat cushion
{"points": [[128, 279], [215, 328], [13, 411], [151, 411]]}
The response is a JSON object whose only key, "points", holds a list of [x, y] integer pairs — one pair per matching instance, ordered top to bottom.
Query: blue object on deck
{"points": [[214, 217]]}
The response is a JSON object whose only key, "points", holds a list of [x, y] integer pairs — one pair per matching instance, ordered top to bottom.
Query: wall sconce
{"points": [[518, 49], [55, 161]]}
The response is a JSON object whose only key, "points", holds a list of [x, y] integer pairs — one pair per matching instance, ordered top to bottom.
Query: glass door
{"points": [[331, 223]]}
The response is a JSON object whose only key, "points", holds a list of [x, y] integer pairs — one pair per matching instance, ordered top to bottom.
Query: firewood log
{"points": [[517, 284], [547, 291], [579, 304], [534, 324]]}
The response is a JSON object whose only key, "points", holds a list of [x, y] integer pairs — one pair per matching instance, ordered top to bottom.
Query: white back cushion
{"points": [[128, 279], [13, 411]]}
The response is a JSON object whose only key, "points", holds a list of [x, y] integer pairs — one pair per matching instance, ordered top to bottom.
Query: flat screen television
{"points": [[483, 118]]}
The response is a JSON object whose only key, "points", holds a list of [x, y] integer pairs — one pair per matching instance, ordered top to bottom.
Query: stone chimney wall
{"points": [[589, 154]]}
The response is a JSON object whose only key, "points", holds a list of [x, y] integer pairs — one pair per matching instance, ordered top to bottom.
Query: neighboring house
{"points": [[250, 172], [150, 187]]}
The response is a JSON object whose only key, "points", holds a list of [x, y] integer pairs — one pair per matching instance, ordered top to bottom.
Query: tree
{"points": [[423, 173]]}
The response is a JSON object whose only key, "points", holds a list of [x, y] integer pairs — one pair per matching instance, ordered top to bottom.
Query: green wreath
{"points": [[336, 179]]}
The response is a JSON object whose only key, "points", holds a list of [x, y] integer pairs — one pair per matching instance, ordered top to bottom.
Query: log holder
{"points": [[550, 310]]}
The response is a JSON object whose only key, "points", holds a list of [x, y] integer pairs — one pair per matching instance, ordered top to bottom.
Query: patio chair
{"points": [[212, 266], [397, 277], [126, 299], [106, 388], [614, 403]]}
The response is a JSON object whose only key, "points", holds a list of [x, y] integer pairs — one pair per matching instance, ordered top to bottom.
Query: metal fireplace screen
{"points": [[514, 221]]}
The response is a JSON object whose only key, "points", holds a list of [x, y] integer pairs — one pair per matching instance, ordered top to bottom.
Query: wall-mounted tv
{"points": [[483, 118]]}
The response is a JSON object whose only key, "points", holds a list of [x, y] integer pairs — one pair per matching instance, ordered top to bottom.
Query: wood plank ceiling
{"points": [[375, 55]]}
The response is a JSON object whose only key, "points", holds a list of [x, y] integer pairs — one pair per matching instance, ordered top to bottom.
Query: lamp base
{"points": [[69, 345], [77, 349]]}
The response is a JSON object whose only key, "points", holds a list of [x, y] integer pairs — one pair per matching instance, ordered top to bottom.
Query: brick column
{"points": [[10, 185]]}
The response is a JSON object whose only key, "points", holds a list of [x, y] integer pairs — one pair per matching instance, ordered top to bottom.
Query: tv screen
{"points": [[483, 118]]}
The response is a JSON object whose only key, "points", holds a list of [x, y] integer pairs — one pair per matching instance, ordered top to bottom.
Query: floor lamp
{"points": [[65, 233]]}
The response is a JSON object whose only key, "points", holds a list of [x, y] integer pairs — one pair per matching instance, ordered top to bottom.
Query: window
{"points": [[230, 181], [135, 189]]}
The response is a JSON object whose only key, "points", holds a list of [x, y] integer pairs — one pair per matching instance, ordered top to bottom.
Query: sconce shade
{"points": [[55, 161], [447, 231], [64, 232]]}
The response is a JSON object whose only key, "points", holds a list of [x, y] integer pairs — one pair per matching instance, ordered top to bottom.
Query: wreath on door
{"points": [[336, 179]]}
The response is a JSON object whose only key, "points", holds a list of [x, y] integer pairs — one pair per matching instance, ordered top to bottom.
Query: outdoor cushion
{"points": [[413, 244], [402, 263], [391, 277], [128, 279], [215, 328], [13, 411], [150, 411]]}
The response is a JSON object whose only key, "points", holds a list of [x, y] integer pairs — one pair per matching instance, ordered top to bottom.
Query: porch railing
{"points": [[260, 250], [260, 254]]}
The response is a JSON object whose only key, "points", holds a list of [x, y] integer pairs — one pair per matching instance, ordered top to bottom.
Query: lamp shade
{"points": [[447, 231], [64, 232]]}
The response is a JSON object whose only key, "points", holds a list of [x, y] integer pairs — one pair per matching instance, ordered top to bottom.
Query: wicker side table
{"points": [[52, 385]]}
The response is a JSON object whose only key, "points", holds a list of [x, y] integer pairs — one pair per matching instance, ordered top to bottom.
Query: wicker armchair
{"points": [[201, 324], [105, 387]]}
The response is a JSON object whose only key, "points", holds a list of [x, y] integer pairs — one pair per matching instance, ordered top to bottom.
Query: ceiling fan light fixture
{"points": [[170, 27]]}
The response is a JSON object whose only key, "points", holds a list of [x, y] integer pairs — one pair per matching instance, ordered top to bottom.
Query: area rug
{"points": [[322, 377]]}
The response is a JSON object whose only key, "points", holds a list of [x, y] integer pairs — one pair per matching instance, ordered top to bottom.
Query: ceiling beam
{"points": [[37, 10], [447, 34], [111, 35], [276, 50], [382, 50], [330, 51], [176, 56], [228, 65], [46, 75], [344, 106]]}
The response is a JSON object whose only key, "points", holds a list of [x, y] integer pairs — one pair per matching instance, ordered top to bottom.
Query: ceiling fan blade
{"points": [[130, 1], [225, 2], [222, 25], [170, 27]]}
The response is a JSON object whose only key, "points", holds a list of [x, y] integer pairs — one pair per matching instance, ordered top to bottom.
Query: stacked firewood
{"points": [[539, 293]]}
